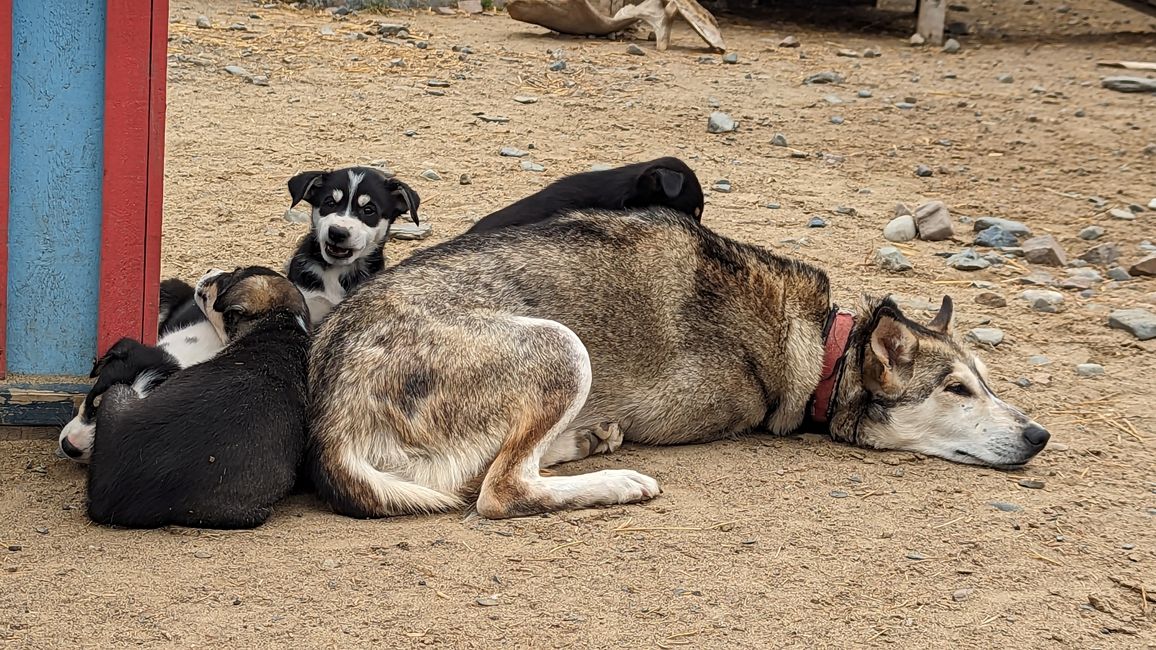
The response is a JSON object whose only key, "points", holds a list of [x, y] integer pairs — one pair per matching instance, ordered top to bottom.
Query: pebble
{"points": [[203, 22], [239, 27], [390, 29], [917, 40], [789, 41], [421, 45], [952, 46], [635, 50], [872, 53], [850, 54], [731, 58], [557, 66], [236, 70], [824, 78], [1005, 78], [259, 80], [437, 83], [1129, 84], [864, 93], [525, 99], [833, 100], [905, 106], [493, 119], [836, 119], [720, 122], [779, 140], [513, 152], [531, 166], [923, 171], [431, 175], [464, 179], [723, 186], [1152, 204], [773, 206], [1122, 214], [933, 221], [817, 222], [1014, 227], [900, 229], [410, 232], [1091, 233], [995, 237], [1045, 250], [1102, 254], [892, 259], [967, 260], [1146, 266], [1119, 274], [991, 299], [1043, 300], [1140, 323], [992, 336], [1039, 360], [1089, 370], [1031, 484], [839, 494], [1004, 506], [15, 548], [202, 555], [916, 556], [961, 595], [487, 601]]}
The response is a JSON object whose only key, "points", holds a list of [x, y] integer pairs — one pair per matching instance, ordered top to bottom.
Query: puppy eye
{"points": [[329, 203], [369, 209], [958, 389]]}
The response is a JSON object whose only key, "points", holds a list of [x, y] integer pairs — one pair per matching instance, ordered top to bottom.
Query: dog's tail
{"points": [[174, 293]]}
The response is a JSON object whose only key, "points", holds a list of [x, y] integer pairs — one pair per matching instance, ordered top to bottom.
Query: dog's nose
{"points": [[337, 234], [1036, 435], [70, 449]]}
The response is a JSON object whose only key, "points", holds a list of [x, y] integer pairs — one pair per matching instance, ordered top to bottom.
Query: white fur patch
{"points": [[337, 194], [362, 200], [192, 344]]}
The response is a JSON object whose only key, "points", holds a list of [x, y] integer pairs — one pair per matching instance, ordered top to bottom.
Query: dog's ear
{"points": [[668, 181], [304, 186], [404, 195], [942, 321], [891, 349], [118, 350]]}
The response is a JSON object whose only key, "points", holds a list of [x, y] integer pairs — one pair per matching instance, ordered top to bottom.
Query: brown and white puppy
{"points": [[465, 369], [220, 442]]}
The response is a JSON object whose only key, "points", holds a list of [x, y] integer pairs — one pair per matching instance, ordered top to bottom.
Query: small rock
{"points": [[203, 22], [239, 27], [917, 40], [789, 41], [952, 46], [635, 50], [872, 53], [850, 54], [731, 58], [557, 66], [236, 70], [824, 78], [1005, 78], [259, 80], [437, 83], [1129, 84], [864, 93], [525, 99], [833, 100], [493, 119], [836, 119], [720, 122], [779, 140], [513, 152], [531, 166], [923, 171], [431, 175], [464, 179], [723, 186], [1152, 204], [773, 206], [901, 209], [1122, 214], [933, 221], [817, 222], [1014, 227], [900, 229], [410, 232], [1091, 233], [995, 237], [1045, 250], [1102, 254], [892, 259], [967, 260], [1146, 266], [1119, 274], [1038, 278], [991, 299], [1044, 300], [1140, 323], [992, 336], [1039, 360], [1089, 370], [1031, 484], [839, 494], [1004, 506], [14, 548], [202, 555], [918, 557], [961, 595], [487, 601]]}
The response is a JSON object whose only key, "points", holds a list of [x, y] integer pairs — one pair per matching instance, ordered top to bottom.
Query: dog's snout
{"points": [[337, 234], [1036, 435], [70, 449]]}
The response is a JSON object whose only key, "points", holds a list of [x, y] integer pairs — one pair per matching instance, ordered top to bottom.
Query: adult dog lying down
{"points": [[466, 368]]}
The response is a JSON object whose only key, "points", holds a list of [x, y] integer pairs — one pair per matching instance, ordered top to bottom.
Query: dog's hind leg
{"points": [[559, 365], [576, 444]]}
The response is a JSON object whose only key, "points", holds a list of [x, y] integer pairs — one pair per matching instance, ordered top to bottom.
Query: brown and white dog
{"points": [[464, 370]]}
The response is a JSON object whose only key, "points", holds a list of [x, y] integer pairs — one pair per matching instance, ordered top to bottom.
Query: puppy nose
{"points": [[337, 234], [1036, 435], [70, 449]]}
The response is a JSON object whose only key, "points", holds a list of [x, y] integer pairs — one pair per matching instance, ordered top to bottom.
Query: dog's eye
{"points": [[329, 202], [369, 209], [958, 389]]}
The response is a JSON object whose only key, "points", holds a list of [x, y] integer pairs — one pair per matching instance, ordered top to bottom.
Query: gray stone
{"points": [[203, 22], [239, 27], [390, 29], [917, 40], [789, 41], [952, 46], [635, 50], [872, 53], [850, 54], [731, 58], [557, 66], [236, 70], [824, 78], [1005, 78], [259, 80], [437, 83], [1129, 84], [864, 93], [525, 99], [833, 100], [905, 106], [493, 119], [837, 119], [720, 122], [779, 140], [513, 152], [531, 166], [600, 167], [923, 171], [431, 175], [465, 179], [722, 185], [901, 209], [847, 210], [1122, 214], [933, 221], [817, 222], [1014, 227], [900, 229], [409, 231], [1091, 233], [995, 237], [1044, 250], [1101, 254], [892, 259], [967, 260], [1146, 266], [1119, 274], [1038, 278], [991, 299], [1043, 300], [1140, 323], [991, 336], [1039, 360], [1089, 370], [1030, 483], [839, 494], [1004, 506], [961, 595], [487, 601]]}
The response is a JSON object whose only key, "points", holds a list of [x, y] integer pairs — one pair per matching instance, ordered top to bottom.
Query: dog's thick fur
{"points": [[663, 182], [469, 366], [219, 443]]}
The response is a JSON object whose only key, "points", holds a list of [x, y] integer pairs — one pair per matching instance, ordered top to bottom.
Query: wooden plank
{"points": [[932, 16], [1128, 65], [158, 82], [5, 135], [39, 405]]}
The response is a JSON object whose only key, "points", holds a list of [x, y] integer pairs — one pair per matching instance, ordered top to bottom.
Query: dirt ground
{"points": [[759, 542]]}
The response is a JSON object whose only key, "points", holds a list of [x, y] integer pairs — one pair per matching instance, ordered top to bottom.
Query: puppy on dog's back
{"points": [[219, 443]]}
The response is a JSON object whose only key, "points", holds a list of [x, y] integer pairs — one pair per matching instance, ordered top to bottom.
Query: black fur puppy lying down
{"points": [[663, 182], [218, 443]]}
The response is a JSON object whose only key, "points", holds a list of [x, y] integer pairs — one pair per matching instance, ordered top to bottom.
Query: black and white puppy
{"points": [[663, 182], [353, 210], [184, 338], [218, 443]]}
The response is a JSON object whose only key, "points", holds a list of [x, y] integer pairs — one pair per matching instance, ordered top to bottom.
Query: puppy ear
{"points": [[667, 180], [304, 186], [405, 195], [231, 317], [942, 321], [119, 350], [889, 355]]}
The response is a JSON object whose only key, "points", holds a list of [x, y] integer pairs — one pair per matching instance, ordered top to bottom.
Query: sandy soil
{"points": [[757, 542]]}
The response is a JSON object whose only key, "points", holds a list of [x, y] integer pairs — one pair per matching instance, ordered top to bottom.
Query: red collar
{"points": [[835, 338]]}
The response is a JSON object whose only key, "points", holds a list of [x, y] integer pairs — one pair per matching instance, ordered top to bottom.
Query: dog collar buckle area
{"points": [[836, 336]]}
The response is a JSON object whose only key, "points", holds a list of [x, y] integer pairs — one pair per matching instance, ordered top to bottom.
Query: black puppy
{"points": [[666, 182], [353, 210], [220, 442]]}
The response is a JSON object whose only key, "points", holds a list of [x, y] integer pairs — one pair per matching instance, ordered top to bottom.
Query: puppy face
{"points": [[671, 183], [353, 209], [233, 302]]}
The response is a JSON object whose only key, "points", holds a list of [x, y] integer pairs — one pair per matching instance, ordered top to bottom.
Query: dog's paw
{"points": [[605, 438], [628, 486]]}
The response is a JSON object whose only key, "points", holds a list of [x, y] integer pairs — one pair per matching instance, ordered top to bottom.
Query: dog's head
{"points": [[667, 182], [353, 209], [234, 302], [928, 394]]}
